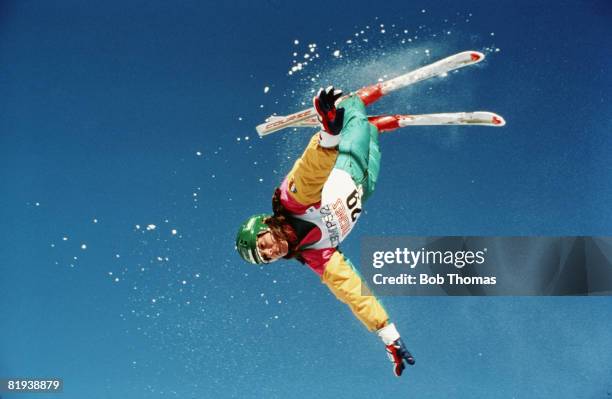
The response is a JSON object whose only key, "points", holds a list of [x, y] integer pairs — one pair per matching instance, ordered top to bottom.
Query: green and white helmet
{"points": [[246, 239]]}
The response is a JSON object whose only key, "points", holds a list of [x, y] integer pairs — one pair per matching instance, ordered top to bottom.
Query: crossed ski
{"points": [[372, 93]]}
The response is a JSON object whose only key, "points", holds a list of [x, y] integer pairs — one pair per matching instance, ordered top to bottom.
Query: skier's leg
{"points": [[359, 154], [373, 163], [346, 284]]}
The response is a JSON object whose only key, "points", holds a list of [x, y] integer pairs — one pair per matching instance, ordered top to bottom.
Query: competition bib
{"points": [[340, 208]]}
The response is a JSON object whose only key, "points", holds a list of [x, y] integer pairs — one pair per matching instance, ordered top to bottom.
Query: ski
{"points": [[370, 94], [386, 123]]}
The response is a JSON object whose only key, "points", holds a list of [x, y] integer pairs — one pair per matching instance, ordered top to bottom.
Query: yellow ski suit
{"points": [[301, 193]]}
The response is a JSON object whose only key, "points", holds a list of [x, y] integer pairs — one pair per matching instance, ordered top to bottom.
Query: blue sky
{"points": [[120, 117]]}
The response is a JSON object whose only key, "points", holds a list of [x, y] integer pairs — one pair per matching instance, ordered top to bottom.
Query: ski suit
{"points": [[322, 196]]}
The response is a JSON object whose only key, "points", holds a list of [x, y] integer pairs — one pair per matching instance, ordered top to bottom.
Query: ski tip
{"points": [[476, 56], [498, 121], [269, 126], [261, 129]]}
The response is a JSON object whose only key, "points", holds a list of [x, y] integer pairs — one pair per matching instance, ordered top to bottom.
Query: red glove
{"points": [[325, 104], [396, 350], [398, 354]]}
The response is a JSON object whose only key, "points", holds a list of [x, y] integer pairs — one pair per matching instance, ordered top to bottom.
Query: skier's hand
{"points": [[325, 104], [396, 350], [398, 354]]}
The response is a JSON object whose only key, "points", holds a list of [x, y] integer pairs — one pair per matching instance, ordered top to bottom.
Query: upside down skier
{"points": [[317, 206]]}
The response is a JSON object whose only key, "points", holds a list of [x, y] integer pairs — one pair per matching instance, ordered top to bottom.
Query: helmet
{"points": [[246, 239]]}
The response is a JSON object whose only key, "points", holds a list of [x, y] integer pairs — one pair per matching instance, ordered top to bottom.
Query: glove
{"points": [[325, 104], [396, 350], [398, 354]]}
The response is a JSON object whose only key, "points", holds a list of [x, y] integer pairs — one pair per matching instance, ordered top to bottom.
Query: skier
{"points": [[318, 204]]}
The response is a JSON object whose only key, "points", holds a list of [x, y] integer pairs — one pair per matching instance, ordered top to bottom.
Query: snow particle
{"points": [[296, 42], [336, 53], [266, 89], [199, 153], [151, 227], [174, 232], [64, 238], [83, 246]]}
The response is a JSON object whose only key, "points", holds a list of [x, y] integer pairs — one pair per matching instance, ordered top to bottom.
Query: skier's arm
{"points": [[310, 172], [346, 284]]}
